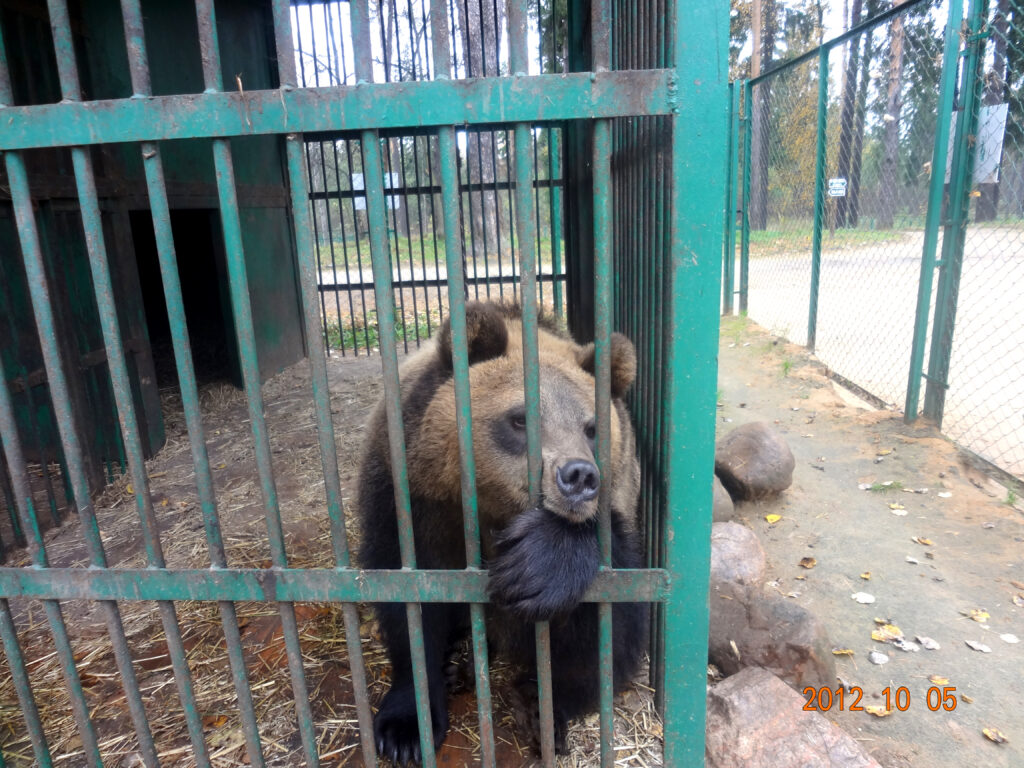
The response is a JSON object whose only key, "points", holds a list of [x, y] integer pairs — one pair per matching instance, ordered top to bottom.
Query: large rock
{"points": [[753, 461], [722, 508], [736, 556], [753, 628], [756, 721]]}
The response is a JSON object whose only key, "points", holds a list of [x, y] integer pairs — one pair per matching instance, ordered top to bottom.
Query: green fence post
{"points": [[947, 82], [819, 195], [745, 221], [955, 229], [729, 255], [690, 371]]}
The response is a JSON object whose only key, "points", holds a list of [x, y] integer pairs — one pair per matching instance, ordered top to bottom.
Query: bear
{"points": [[540, 557]]}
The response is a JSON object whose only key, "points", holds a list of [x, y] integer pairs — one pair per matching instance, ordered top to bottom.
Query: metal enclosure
{"points": [[184, 135]]}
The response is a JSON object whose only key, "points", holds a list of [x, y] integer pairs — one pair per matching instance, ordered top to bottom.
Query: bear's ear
{"points": [[486, 332], [623, 363]]}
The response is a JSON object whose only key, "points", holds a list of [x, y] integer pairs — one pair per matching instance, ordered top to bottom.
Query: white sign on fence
{"points": [[989, 143], [837, 187], [394, 202]]}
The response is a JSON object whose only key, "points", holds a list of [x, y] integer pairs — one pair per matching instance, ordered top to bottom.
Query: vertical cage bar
{"points": [[518, 25], [731, 168], [156, 186], [819, 195], [555, 198], [933, 217], [745, 221], [955, 229], [99, 267], [39, 292], [384, 293], [691, 299], [242, 313], [460, 365], [321, 392], [19, 676]]}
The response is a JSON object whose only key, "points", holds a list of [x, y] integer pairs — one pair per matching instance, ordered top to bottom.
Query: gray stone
{"points": [[753, 461], [722, 508], [736, 556], [753, 628], [756, 721]]}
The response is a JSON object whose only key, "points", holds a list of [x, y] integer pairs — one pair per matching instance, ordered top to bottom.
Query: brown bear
{"points": [[541, 558]]}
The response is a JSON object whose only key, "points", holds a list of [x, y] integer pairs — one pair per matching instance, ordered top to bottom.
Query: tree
{"points": [[766, 25], [994, 93], [846, 115], [890, 178]]}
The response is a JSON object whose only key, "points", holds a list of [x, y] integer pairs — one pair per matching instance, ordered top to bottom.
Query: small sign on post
{"points": [[837, 187]]}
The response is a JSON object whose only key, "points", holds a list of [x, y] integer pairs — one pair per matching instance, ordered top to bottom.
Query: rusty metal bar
{"points": [[401, 105], [155, 181], [298, 184], [385, 302], [242, 312], [460, 365], [120, 379], [19, 676]]}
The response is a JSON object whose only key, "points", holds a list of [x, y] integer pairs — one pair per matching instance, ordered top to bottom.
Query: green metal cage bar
{"points": [[747, 120], [731, 169], [819, 195]]}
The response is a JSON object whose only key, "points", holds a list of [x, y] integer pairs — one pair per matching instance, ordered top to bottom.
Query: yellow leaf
{"points": [[884, 451], [129, 488], [163, 503], [896, 505], [772, 519], [924, 541], [808, 562], [866, 575], [979, 615], [881, 622], [886, 633], [842, 652], [937, 680], [966, 699], [878, 711], [994, 734]]}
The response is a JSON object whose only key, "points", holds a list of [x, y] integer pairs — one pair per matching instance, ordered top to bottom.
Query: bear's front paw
{"points": [[543, 564], [396, 730]]}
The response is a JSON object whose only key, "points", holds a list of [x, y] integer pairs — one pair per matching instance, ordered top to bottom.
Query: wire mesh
{"points": [[401, 31], [984, 406]]}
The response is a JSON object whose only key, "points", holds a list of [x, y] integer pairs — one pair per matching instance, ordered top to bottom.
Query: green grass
{"points": [[798, 235], [354, 333], [787, 366], [895, 485], [1011, 497]]}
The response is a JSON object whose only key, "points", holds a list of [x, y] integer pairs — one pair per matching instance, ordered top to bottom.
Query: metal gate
{"points": [[643, 111]]}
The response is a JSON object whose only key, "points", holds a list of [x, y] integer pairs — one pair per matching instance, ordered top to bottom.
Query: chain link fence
{"points": [[851, 245]]}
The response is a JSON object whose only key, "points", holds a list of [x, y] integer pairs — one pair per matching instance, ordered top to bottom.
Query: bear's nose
{"points": [[578, 480]]}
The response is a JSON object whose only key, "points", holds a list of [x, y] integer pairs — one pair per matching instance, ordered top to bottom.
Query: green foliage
{"points": [[354, 333], [895, 485]]}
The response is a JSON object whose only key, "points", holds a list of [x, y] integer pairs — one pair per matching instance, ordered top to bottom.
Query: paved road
{"points": [[867, 301]]}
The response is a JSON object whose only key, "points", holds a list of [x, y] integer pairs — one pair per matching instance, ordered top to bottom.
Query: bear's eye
{"points": [[517, 419], [590, 430]]}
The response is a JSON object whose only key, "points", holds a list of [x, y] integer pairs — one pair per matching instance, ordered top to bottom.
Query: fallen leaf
{"points": [[883, 451], [864, 486], [129, 488], [944, 494], [163, 503], [896, 505], [900, 512], [772, 519], [988, 526], [923, 541], [912, 560], [808, 562], [866, 575], [800, 577], [1017, 584], [863, 597], [1018, 600], [979, 615], [881, 622], [886, 633], [1009, 638], [927, 642], [906, 645], [978, 646], [842, 652], [878, 658], [937, 680], [964, 697], [878, 711], [214, 721], [994, 734]]}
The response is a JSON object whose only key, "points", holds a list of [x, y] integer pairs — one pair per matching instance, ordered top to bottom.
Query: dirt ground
{"points": [[953, 544], [973, 563]]}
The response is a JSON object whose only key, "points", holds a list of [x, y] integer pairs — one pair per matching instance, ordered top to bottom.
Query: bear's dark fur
{"points": [[542, 558]]}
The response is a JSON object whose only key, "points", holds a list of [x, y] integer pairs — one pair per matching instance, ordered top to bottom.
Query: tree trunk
{"points": [[479, 31], [995, 93], [848, 101], [760, 122], [890, 174], [853, 211]]}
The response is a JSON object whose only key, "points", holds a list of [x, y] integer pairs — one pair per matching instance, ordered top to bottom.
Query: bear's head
{"points": [[570, 479]]}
